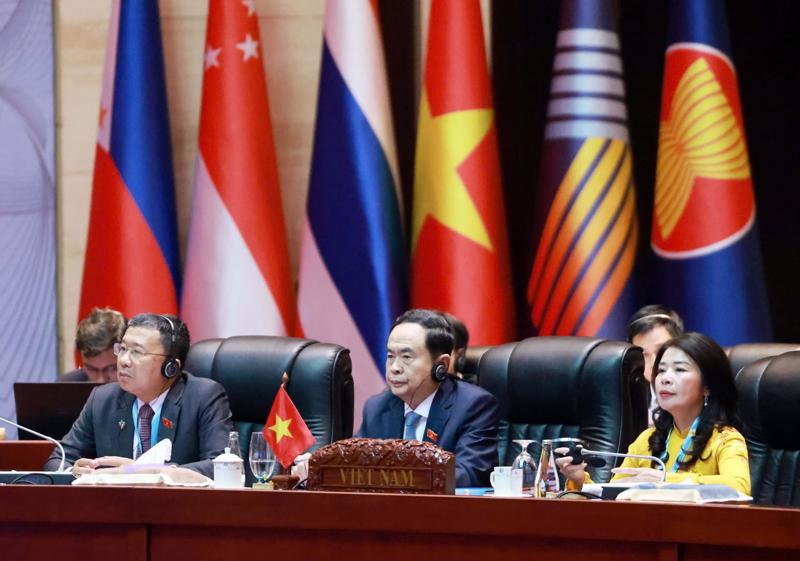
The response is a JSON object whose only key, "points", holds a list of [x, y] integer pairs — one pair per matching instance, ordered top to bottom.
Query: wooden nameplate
{"points": [[373, 465]]}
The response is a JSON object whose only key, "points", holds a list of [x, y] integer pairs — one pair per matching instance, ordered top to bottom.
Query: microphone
{"points": [[40, 435], [659, 461]]}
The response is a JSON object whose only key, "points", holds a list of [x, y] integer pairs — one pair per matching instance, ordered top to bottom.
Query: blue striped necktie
{"points": [[410, 430]]}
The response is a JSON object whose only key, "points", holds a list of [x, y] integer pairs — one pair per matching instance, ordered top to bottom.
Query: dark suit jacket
{"points": [[195, 416], [463, 417]]}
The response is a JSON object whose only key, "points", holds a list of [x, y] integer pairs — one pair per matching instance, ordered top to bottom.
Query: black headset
{"points": [[171, 367], [439, 372]]}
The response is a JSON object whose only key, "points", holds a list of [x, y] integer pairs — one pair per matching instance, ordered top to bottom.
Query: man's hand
{"points": [[87, 465], [640, 475]]}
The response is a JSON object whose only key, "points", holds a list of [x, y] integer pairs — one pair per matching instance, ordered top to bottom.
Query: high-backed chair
{"points": [[747, 353], [200, 359], [494, 363], [469, 364], [250, 369], [551, 387], [769, 405]]}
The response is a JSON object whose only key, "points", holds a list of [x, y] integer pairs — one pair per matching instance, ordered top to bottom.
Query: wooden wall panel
{"points": [[291, 33]]}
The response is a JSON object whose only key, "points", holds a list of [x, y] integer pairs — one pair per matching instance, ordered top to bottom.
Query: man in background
{"points": [[94, 341], [460, 343]]}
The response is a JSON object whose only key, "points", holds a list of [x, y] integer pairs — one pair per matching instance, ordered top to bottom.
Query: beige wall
{"points": [[291, 34]]}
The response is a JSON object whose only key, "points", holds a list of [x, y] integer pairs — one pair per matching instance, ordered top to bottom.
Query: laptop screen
{"points": [[50, 407]]}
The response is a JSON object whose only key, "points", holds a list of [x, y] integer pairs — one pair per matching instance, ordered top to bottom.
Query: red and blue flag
{"points": [[704, 236], [132, 260]]}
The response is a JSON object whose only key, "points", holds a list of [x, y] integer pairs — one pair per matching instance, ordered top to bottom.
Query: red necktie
{"points": [[145, 416]]}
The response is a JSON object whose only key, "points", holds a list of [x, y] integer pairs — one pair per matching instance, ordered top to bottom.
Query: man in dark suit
{"points": [[94, 341], [152, 401], [423, 403]]}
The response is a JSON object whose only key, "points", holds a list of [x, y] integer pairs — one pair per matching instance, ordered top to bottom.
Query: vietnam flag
{"points": [[460, 260], [131, 261], [237, 277], [285, 431]]}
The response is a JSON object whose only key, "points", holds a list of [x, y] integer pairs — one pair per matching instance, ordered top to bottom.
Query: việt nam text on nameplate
{"points": [[376, 465]]}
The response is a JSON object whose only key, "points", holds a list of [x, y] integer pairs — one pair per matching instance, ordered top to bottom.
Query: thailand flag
{"points": [[704, 235], [131, 259], [353, 265], [237, 279]]}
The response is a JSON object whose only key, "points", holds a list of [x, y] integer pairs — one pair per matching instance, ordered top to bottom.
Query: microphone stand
{"points": [[44, 436], [659, 461]]}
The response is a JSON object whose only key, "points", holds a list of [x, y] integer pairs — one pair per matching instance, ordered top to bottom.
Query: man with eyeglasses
{"points": [[94, 341], [153, 400]]}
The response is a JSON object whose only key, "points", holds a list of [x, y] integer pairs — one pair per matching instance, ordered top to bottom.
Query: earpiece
{"points": [[171, 367], [439, 372]]}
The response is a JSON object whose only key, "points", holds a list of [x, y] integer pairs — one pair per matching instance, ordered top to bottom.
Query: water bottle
{"points": [[235, 449]]}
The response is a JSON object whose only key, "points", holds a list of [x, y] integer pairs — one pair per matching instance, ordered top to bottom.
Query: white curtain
{"points": [[28, 344]]}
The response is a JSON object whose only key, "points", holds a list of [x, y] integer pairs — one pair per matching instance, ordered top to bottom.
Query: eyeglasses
{"points": [[135, 354], [105, 371]]}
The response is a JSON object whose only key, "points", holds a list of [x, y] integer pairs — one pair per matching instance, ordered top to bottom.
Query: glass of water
{"points": [[262, 459]]}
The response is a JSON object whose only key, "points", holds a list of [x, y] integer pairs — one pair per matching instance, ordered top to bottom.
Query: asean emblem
{"points": [[704, 192]]}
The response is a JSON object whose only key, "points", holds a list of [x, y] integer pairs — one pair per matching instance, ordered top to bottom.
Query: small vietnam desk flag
{"points": [[285, 431]]}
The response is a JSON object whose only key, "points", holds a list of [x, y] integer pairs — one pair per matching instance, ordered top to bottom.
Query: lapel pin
{"points": [[166, 422], [121, 424], [432, 436]]}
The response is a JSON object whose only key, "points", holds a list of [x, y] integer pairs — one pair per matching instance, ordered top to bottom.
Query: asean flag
{"points": [[704, 235], [131, 261], [460, 261], [237, 278]]}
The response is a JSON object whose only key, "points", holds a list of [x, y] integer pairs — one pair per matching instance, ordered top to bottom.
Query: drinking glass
{"points": [[262, 459], [524, 461]]}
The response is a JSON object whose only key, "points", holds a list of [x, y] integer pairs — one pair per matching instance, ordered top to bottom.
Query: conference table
{"points": [[154, 524]]}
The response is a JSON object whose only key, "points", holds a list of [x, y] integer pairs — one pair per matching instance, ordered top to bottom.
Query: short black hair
{"points": [[654, 315], [459, 331], [438, 336], [180, 348]]}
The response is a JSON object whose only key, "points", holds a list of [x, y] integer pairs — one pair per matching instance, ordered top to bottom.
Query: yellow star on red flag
{"points": [[444, 142], [282, 415], [281, 428]]}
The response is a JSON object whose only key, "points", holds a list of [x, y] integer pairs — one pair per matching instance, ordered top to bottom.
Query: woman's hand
{"points": [[574, 472], [641, 475]]}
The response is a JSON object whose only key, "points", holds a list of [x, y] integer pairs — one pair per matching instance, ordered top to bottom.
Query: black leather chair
{"points": [[748, 353], [200, 359], [469, 364], [250, 368], [551, 387], [769, 405]]}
